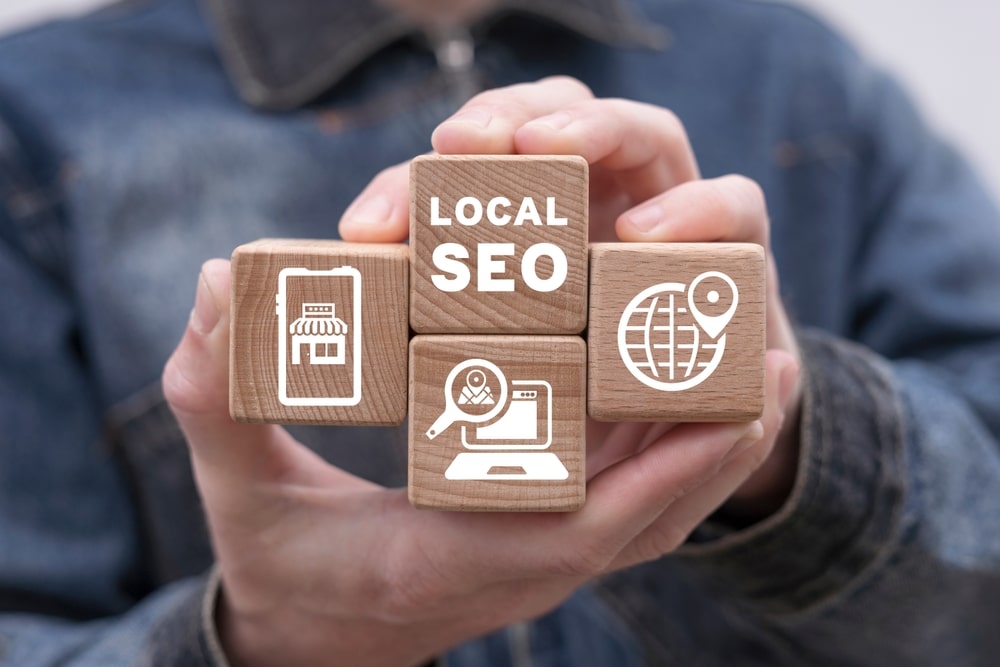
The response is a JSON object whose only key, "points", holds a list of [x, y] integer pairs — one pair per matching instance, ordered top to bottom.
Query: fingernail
{"points": [[478, 117], [556, 121], [373, 211], [645, 219], [204, 315], [751, 437]]}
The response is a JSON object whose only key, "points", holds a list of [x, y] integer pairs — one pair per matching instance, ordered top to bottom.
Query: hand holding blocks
{"points": [[498, 385]]}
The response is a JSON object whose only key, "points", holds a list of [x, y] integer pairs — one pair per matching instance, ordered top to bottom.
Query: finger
{"points": [[486, 124], [645, 146], [730, 208], [381, 213], [780, 334], [196, 385], [623, 440], [624, 499], [672, 527]]}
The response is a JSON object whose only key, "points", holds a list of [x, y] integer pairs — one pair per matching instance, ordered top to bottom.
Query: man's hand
{"points": [[644, 186], [320, 567]]}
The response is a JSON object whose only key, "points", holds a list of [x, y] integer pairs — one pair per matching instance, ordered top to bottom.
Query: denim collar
{"points": [[283, 54]]}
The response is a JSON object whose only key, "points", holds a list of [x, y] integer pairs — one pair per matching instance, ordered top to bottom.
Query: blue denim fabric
{"points": [[127, 158]]}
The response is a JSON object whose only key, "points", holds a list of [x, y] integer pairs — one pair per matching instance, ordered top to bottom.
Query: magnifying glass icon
{"points": [[452, 413]]}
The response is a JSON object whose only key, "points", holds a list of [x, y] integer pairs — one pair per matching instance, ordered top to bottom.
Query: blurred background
{"points": [[946, 53]]}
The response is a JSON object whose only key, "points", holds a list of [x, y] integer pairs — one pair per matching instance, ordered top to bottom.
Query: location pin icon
{"points": [[712, 324]]}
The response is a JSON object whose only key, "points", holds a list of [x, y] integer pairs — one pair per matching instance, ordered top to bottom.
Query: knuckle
{"points": [[671, 122], [748, 192], [173, 382], [184, 394], [773, 419], [757, 454], [658, 541], [586, 560]]}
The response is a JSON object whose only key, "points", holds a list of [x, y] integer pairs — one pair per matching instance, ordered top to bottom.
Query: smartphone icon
{"points": [[319, 336]]}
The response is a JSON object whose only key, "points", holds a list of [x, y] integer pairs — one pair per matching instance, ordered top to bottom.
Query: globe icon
{"points": [[670, 335]]}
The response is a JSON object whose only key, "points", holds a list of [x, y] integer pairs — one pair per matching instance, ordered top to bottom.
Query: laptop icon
{"points": [[505, 427]]}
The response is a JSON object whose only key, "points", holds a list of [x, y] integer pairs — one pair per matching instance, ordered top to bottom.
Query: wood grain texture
{"points": [[514, 178], [666, 318], [528, 364], [334, 373]]}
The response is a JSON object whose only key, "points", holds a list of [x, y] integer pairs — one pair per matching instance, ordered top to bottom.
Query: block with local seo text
{"points": [[499, 244], [319, 332], [676, 332], [497, 423]]}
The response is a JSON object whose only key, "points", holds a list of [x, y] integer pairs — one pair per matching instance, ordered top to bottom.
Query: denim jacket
{"points": [[139, 141]]}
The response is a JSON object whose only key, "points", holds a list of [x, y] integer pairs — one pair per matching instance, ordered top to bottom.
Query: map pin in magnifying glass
{"points": [[712, 324], [452, 413]]}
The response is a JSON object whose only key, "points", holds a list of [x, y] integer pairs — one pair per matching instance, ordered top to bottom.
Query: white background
{"points": [[947, 53]]}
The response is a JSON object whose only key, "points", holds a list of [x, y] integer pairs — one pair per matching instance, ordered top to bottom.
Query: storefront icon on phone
{"points": [[319, 351]]}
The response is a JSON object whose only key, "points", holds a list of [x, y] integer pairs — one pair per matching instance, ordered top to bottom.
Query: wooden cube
{"points": [[499, 244], [319, 332], [676, 332], [497, 423]]}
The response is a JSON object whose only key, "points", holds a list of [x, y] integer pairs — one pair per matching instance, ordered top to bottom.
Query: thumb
{"points": [[196, 385]]}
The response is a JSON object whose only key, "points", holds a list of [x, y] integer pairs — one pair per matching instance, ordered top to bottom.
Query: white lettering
{"points": [[477, 211], [491, 211], [469, 212], [529, 212], [550, 214], [436, 218], [446, 258], [529, 262], [489, 267]]}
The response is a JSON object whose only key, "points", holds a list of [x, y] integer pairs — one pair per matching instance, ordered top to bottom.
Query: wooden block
{"points": [[499, 244], [319, 332], [676, 332], [497, 423]]}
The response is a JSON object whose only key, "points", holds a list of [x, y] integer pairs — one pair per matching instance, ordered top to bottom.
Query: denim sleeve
{"points": [[66, 528], [888, 551], [172, 628]]}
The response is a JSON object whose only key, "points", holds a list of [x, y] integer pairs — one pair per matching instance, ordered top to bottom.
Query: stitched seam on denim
{"points": [[876, 384], [890, 430], [826, 449]]}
